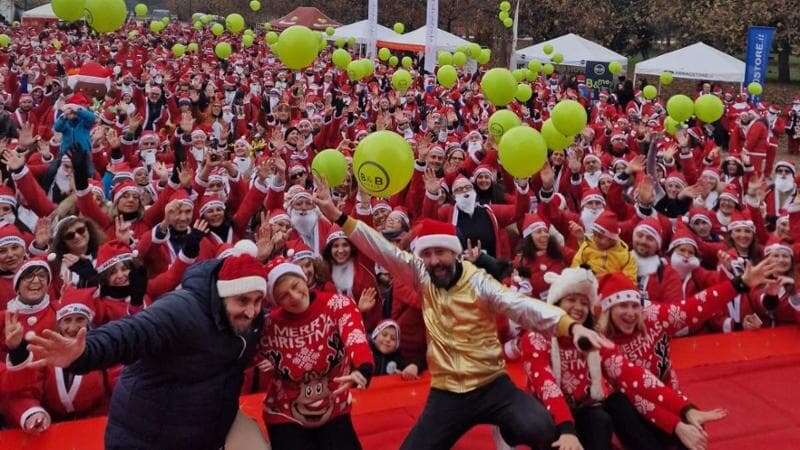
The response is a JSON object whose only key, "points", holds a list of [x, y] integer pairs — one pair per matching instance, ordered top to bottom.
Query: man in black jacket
{"points": [[184, 355]]}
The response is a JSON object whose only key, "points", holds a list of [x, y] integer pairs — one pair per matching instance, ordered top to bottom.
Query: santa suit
{"points": [[26, 117], [777, 126], [793, 130], [753, 137], [543, 264], [351, 279], [660, 284], [787, 311], [36, 318]]}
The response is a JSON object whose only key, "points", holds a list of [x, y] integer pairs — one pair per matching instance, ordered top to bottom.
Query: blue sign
{"points": [[759, 46]]}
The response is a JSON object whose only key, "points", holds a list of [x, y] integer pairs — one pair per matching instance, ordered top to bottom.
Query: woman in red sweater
{"points": [[541, 253], [314, 348]]}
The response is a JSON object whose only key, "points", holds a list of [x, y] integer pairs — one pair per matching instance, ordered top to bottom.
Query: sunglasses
{"points": [[70, 235]]}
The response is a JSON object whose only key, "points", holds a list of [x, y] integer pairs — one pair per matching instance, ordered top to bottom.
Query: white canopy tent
{"points": [[40, 12], [360, 31], [415, 41], [576, 50], [697, 62]]}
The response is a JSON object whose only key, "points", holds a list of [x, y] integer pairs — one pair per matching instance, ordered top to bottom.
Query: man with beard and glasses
{"points": [[784, 189], [460, 303], [184, 358]]}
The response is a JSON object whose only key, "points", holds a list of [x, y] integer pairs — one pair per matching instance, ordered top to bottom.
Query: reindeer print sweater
{"points": [[304, 353]]}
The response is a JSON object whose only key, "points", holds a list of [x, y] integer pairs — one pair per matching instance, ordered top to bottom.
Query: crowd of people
{"points": [[174, 215]]}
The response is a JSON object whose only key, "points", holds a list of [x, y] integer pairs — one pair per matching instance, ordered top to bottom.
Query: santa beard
{"points": [[198, 153], [243, 164], [592, 179], [62, 181], [784, 184], [466, 202], [588, 216], [305, 222], [647, 265], [684, 266]]}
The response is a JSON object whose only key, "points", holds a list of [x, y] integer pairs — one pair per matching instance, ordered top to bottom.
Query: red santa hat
{"points": [[75, 101], [436, 150], [591, 156], [786, 165], [485, 169], [121, 170], [711, 172], [676, 177], [459, 182], [97, 186], [731, 193], [591, 195], [7, 196], [180, 198], [210, 201], [379, 205], [278, 214], [402, 214], [702, 214], [741, 220], [532, 222], [607, 225], [652, 227], [433, 233], [9, 234], [334, 235], [682, 236], [778, 245], [242, 247], [299, 250], [111, 253], [31, 264], [278, 267], [239, 275], [616, 288], [76, 301], [384, 324]]}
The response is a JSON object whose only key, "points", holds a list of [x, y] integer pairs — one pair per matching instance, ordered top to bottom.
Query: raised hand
{"points": [[134, 121], [187, 122], [25, 132], [113, 138], [13, 160], [636, 165], [185, 175], [547, 176], [432, 182], [323, 200], [122, 229], [576, 231], [41, 233], [471, 254], [755, 276], [367, 300], [14, 331], [53, 349], [354, 379]]}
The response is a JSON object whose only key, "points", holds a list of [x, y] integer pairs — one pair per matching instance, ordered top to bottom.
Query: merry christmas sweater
{"points": [[305, 353]]}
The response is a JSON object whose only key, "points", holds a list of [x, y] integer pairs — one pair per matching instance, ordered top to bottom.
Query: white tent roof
{"points": [[43, 11], [360, 31], [416, 38], [576, 50], [697, 61]]}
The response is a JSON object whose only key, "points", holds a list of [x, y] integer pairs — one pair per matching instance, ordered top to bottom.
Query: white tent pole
{"points": [[372, 16], [432, 24], [512, 59]]}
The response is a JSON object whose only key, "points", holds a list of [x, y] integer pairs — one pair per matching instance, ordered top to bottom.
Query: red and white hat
{"points": [[75, 101], [786, 165], [484, 169], [711, 172], [676, 177], [459, 182], [121, 188], [731, 193], [590, 195], [7, 196], [180, 198], [210, 201], [379, 205], [401, 213], [278, 214], [701, 214], [740, 220], [532, 222], [607, 225], [652, 227], [433, 233], [9, 234], [334, 235], [682, 236], [778, 245], [242, 247], [299, 250], [111, 253], [31, 264], [278, 267], [239, 275], [616, 288], [76, 301], [386, 323]]}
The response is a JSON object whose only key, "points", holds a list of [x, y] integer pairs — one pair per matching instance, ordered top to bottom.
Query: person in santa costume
{"points": [[793, 127], [751, 136], [783, 191], [74, 250], [541, 252], [604, 252], [13, 255], [684, 260], [657, 281], [778, 302], [34, 303], [180, 387], [54, 392], [484, 393], [590, 395], [307, 404]]}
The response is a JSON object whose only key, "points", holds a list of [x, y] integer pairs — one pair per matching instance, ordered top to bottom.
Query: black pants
{"points": [[448, 416], [594, 427], [635, 432], [338, 434]]}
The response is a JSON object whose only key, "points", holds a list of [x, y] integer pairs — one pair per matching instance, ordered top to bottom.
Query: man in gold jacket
{"points": [[469, 384]]}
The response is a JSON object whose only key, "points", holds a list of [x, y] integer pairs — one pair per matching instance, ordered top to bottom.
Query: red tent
{"points": [[306, 16]]}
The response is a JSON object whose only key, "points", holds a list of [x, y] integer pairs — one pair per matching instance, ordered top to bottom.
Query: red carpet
{"points": [[733, 371]]}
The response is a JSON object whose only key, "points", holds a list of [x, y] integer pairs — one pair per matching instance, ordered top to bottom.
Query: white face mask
{"points": [[227, 117], [443, 136], [475, 146], [198, 153], [149, 156], [242, 163], [62, 181], [784, 184], [466, 202], [588, 216], [8, 219], [303, 221], [684, 266]]}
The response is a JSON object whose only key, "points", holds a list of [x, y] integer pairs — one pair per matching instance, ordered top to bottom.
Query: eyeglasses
{"points": [[70, 235], [41, 274]]}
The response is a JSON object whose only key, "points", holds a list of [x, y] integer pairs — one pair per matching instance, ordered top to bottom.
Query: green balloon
{"points": [[255, 5], [505, 6], [140, 9], [68, 10], [503, 15], [106, 16], [197, 16], [206, 18], [165, 19], [508, 22], [234, 23], [198, 25], [156, 26], [399, 28], [217, 29], [330, 31], [249, 32], [271, 37], [247, 40], [5, 41], [339, 42], [351, 42], [192, 47], [297, 47], [547, 49], [178, 50], [223, 50], [474, 50], [384, 54], [485, 56], [341, 58], [444, 58], [558, 58], [459, 59], [393, 61], [407, 62], [535, 66], [367, 67], [614, 67], [548, 69], [354, 71], [520, 74], [447, 76], [532, 76], [665, 78], [401, 80], [499, 86], [755, 88], [650, 92], [524, 93], [680, 107], [708, 108], [569, 117], [502, 121], [671, 125], [554, 139], [522, 152], [383, 163], [331, 166]]}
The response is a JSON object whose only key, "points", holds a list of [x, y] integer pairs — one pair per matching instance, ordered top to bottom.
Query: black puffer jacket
{"points": [[181, 387]]}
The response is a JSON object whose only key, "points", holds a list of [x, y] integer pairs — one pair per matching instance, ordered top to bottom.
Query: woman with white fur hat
{"points": [[592, 395]]}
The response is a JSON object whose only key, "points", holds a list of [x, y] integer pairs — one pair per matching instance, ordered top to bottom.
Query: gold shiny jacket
{"points": [[464, 351]]}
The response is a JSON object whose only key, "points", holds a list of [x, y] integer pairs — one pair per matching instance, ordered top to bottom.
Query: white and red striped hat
{"points": [[590, 195], [741, 220], [532, 222], [607, 225], [652, 227], [431, 233], [682, 236], [776, 244], [111, 253], [616, 288], [76, 301]]}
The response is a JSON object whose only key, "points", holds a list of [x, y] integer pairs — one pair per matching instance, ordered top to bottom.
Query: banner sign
{"points": [[372, 16], [432, 24], [759, 46], [598, 77]]}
